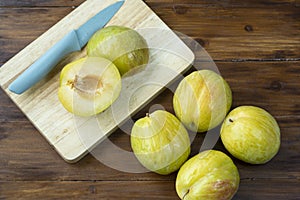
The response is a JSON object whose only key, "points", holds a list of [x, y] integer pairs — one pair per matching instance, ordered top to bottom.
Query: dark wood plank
{"points": [[44, 3], [223, 3], [20, 26], [228, 30], [239, 32], [271, 85], [249, 189], [261, 189], [89, 190]]}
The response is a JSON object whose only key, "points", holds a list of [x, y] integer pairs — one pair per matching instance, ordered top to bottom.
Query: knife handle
{"points": [[39, 69]]}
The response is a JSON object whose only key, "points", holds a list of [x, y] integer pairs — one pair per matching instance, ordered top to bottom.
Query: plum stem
{"points": [[147, 114], [186, 193]]}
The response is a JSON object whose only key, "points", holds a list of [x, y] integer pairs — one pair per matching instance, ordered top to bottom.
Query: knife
{"points": [[73, 41]]}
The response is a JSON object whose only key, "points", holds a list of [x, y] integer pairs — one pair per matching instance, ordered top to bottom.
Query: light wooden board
{"points": [[71, 136]]}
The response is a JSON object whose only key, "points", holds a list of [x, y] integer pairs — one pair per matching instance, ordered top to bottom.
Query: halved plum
{"points": [[89, 85]]}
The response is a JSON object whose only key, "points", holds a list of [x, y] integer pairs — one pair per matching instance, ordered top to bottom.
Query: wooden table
{"points": [[256, 46]]}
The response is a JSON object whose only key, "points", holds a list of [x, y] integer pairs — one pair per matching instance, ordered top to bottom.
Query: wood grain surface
{"points": [[255, 44]]}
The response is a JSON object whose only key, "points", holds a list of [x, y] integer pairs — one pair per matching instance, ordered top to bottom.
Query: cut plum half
{"points": [[89, 85]]}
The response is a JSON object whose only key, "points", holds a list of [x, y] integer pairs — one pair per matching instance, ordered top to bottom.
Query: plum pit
{"points": [[89, 84]]}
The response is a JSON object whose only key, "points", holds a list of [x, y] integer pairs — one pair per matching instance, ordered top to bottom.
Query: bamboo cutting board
{"points": [[71, 136]]}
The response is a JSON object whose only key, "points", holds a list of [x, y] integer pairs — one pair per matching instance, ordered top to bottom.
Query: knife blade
{"points": [[71, 42]]}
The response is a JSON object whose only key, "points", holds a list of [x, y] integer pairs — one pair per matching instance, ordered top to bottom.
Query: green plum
{"points": [[125, 47], [202, 100], [251, 134], [160, 142], [210, 175]]}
